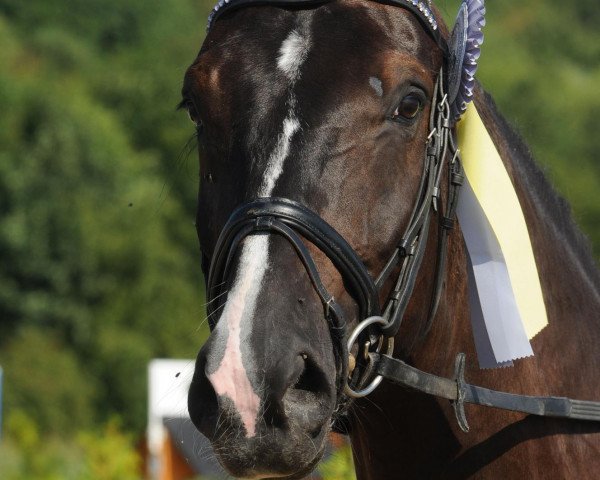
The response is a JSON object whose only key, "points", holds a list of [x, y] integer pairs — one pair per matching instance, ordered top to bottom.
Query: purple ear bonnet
{"points": [[465, 48]]}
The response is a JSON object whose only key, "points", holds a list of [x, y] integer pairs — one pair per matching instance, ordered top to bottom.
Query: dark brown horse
{"points": [[328, 106]]}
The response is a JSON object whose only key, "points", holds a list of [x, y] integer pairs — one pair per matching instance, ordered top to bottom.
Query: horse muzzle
{"points": [[265, 396], [286, 432]]}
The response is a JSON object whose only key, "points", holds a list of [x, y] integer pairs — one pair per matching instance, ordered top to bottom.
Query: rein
{"points": [[362, 368], [458, 392]]}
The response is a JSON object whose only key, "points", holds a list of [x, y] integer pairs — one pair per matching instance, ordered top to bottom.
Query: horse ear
{"points": [[464, 51]]}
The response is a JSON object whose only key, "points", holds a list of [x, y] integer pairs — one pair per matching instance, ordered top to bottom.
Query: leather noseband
{"points": [[290, 220]]}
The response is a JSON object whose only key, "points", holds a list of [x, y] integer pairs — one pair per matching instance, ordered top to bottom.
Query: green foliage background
{"points": [[99, 266]]}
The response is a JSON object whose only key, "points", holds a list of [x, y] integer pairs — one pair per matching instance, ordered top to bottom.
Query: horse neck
{"points": [[568, 272], [565, 351]]}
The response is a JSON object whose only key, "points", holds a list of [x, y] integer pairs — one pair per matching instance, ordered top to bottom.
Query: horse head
{"points": [[327, 109]]}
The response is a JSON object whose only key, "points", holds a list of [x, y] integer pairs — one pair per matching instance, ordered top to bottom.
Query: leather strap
{"points": [[441, 151], [252, 217], [288, 218], [460, 392]]}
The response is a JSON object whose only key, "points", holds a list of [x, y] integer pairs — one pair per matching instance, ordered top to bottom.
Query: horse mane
{"points": [[552, 209]]}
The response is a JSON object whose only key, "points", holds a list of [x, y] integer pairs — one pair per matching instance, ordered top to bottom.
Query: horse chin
{"points": [[271, 458], [303, 472]]}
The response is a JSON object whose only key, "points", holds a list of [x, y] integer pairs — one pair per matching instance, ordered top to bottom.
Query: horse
{"points": [[319, 112]]}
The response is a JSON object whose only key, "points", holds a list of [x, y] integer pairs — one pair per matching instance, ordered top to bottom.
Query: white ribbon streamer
{"points": [[506, 297], [499, 333]]}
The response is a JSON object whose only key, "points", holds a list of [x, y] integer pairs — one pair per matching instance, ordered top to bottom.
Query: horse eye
{"points": [[409, 107], [190, 108]]}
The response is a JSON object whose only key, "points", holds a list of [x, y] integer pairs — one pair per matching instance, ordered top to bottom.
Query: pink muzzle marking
{"points": [[231, 378]]}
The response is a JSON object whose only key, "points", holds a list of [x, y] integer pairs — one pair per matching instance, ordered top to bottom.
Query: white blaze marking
{"points": [[292, 54], [275, 165], [230, 378]]}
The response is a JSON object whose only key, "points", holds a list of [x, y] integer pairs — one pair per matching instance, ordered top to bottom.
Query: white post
{"points": [[168, 385]]}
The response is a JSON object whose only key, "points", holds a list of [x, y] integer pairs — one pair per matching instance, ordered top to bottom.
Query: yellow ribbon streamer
{"points": [[494, 191]]}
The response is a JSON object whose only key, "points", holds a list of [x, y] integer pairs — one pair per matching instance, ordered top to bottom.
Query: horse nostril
{"points": [[311, 381], [306, 400], [302, 401]]}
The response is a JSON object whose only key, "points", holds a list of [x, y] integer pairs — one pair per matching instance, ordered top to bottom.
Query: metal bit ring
{"points": [[351, 340]]}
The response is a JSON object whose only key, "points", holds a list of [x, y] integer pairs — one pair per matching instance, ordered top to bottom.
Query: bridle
{"points": [[294, 222], [364, 359]]}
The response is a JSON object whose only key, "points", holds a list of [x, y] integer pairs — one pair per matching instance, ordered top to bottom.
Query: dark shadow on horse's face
{"points": [[309, 105]]}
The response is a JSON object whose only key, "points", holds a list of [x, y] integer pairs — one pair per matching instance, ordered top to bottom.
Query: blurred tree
{"points": [[541, 62], [92, 246], [100, 269], [46, 381], [106, 453], [109, 454], [27, 455], [339, 466]]}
